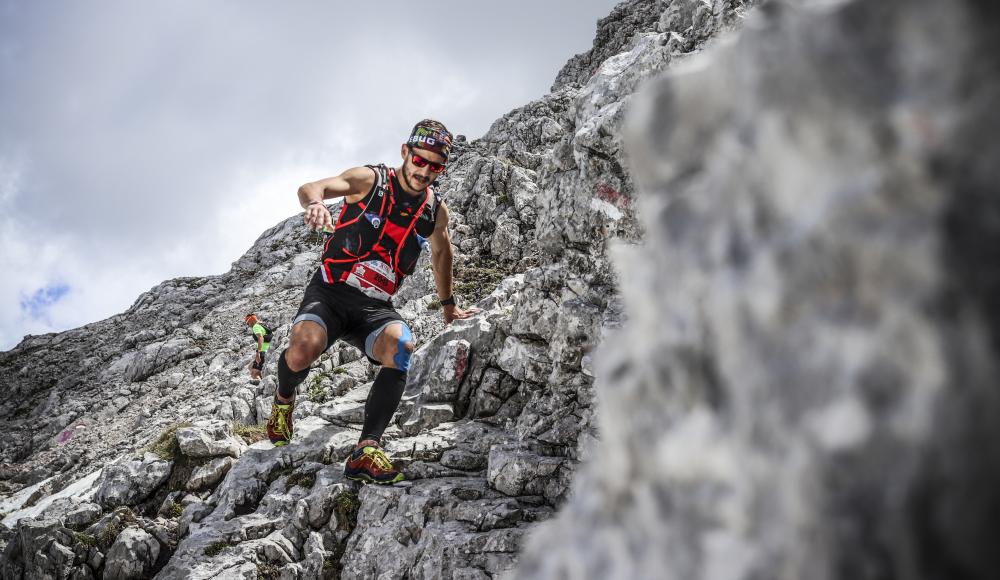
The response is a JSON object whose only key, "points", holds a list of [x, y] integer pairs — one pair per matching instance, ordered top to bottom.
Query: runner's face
{"points": [[416, 179]]}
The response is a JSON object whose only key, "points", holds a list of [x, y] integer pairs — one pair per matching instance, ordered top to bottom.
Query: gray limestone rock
{"points": [[815, 210], [506, 241], [158, 356], [524, 360], [439, 376], [425, 416], [209, 439], [516, 470], [208, 475], [130, 481], [82, 514], [39, 549], [132, 555], [316, 557]]}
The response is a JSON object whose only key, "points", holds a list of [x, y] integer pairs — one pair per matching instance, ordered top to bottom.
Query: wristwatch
{"points": [[449, 301]]}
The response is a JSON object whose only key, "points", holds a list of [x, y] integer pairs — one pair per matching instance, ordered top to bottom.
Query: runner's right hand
{"points": [[318, 217], [453, 313]]}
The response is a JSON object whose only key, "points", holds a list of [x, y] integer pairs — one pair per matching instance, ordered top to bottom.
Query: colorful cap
{"points": [[432, 136]]}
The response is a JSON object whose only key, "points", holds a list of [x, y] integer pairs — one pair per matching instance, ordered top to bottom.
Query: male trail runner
{"points": [[388, 216]]}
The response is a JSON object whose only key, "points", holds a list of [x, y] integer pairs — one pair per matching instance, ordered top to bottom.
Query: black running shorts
{"points": [[345, 313], [259, 365]]}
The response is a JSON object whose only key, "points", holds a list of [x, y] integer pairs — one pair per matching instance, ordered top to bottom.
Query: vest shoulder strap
{"points": [[381, 185], [435, 199]]}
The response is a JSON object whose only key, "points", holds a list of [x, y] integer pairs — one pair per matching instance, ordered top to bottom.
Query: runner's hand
{"points": [[318, 217], [452, 312]]}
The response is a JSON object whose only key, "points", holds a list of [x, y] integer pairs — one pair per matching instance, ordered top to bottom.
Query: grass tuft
{"points": [[475, 281], [316, 392], [250, 433], [165, 445], [279, 473], [305, 480], [345, 506], [174, 509], [109, 534], [85, 539], [215, 548], [266, 571]]}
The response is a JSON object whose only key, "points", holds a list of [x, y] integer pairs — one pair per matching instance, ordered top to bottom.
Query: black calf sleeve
{"points": [[287, 379], [382, 402]]}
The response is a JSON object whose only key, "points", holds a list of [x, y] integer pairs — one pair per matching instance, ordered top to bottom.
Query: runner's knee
{"points": [[307, 343], [397, 347], [404, 347], [300, 356]]}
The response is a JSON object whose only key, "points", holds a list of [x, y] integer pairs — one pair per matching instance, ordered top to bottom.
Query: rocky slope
{"points": [[128, 452]]}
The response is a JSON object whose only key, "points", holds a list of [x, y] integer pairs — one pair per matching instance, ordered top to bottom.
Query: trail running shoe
{"points": [[279, 426], [370, 464]]}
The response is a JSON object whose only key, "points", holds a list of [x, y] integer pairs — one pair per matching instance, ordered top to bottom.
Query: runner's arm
{"points": [[353, 184], [442, 257]]}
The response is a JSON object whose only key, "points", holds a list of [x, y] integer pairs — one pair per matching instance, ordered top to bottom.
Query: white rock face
{"points": [[790, 388]]}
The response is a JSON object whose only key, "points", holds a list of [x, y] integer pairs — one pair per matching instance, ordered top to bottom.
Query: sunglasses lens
{"points": [[421, 163]]}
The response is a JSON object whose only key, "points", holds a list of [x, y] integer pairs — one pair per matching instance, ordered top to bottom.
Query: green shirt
{"points": [[259, 330]]}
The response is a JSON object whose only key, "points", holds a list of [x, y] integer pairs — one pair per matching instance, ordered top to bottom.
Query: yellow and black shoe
{"points": [[279, 426], [370, 464]]}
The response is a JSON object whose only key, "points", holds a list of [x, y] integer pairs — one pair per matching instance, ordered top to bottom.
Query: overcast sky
{"points": [[142, 141]]}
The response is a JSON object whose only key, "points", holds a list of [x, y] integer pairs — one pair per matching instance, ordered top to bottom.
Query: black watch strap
{"points": [[449, 301]]}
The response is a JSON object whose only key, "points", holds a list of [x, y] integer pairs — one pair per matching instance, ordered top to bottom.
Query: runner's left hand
{"points": [[453, 312]]}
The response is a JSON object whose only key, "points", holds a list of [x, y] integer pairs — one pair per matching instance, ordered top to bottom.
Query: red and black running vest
{"points": [[377, 241]]}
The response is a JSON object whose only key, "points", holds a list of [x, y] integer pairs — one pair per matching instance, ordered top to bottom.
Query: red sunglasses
{"points": [[421, 163]]}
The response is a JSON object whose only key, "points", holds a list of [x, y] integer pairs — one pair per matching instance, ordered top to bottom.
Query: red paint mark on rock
{"points": [[611, 195], [461, 362], [68, 433]]}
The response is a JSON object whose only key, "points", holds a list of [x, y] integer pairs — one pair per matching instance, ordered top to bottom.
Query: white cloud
{"points": [[145, 141], [10, 181], [267, 199], [30, 262]]}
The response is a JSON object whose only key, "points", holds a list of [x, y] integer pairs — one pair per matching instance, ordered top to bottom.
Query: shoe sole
{"points": [[370, 479]]}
